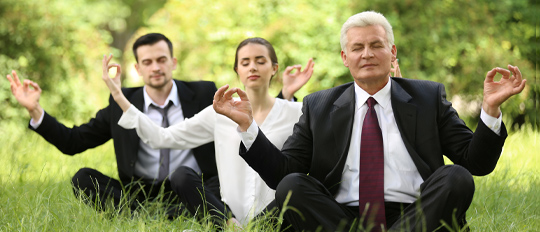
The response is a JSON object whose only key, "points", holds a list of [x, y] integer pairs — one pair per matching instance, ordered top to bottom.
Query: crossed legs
{"points": [[101, 192], [445, 195]]}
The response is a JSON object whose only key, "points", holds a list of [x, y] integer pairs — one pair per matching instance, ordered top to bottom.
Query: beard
{"points": [[158, 83]]}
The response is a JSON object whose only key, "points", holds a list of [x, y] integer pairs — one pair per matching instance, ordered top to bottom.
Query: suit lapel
{"points": [[186, 97], [137, 99], [404, 112], [405, 115], [341, 119]]}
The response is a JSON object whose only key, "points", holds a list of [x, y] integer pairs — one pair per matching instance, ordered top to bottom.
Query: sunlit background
{"points": [[60, 43]]}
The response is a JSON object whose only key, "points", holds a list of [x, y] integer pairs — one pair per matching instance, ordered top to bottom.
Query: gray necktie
{"points": [[164, 153]]}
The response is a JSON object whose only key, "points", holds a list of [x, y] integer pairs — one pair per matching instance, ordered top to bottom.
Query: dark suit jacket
{"points": [[194, 96], [428, 124]]}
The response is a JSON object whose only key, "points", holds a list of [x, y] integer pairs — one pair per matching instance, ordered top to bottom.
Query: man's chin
{"points": [[157, 84]]}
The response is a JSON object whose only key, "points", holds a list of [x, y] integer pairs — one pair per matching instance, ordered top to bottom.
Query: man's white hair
{"points": [[364, 19]]}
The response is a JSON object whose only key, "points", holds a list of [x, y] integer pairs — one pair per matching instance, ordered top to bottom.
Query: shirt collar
{"points": [[174, 92], [382, 97]]}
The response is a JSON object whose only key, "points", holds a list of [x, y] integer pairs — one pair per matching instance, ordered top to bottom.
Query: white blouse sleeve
{"points": [[190, 133]]}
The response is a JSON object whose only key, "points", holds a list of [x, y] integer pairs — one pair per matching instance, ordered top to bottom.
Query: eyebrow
{"points": [[370, 43], [257, 57]]}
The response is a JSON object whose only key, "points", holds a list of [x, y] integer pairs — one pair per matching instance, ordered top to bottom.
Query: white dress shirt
{"points": [[401, 177], [241, 187]]}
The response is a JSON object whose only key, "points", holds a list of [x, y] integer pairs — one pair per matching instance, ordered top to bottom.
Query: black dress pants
{"points": [[101, 191], [445, 195], [201, 196]]}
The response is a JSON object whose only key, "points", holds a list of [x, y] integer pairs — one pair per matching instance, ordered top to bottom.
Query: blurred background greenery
{"points": [[60, 43]]}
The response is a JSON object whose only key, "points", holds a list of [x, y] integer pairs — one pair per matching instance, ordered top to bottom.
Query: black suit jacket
{"points": [[194, 96], [428, 124]]}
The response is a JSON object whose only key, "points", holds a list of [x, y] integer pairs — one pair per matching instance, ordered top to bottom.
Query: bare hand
{"points": [[395, 71], [293, 82], [115, 83], [495, 93], [26, 96], [238, 111]]}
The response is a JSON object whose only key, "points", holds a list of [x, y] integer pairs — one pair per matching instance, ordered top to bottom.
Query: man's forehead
{"points": [[367, 34], [153, 51]]}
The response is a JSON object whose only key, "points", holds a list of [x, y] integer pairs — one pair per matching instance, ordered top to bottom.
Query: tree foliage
{"points": [[454, 42], [57, 46]]}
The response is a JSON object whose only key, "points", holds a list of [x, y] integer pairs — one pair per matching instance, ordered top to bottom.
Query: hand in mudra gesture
{"points": [[292, 82], [114, 84], [497, 92], [27, 93], [238, 111]]}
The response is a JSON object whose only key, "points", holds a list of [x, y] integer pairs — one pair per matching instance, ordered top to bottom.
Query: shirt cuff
{"points": [[492, 123], [35, 125], [249, 136]]}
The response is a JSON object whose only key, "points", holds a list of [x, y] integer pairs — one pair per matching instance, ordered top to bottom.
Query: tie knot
{"points": [[371, 102], [163, 110]]}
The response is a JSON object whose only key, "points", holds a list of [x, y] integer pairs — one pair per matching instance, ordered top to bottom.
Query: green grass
{"points": [[35, 193], [508, 199]]}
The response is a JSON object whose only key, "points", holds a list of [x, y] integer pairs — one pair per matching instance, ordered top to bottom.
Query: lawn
{"points": [[35, 193]]}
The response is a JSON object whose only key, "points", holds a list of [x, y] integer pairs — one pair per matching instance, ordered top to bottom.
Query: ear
{"points": [[394, 53], [344, 59], [175, 62], [137, 68], [275, 68]]}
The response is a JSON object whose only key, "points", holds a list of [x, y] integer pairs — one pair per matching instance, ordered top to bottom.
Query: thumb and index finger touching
{"points": [[106, 66], [308, 68], [511, 72], [15, 83], [224, 93]]}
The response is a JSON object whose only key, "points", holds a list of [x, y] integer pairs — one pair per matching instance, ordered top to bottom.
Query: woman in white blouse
{"points": [[241, 187]]}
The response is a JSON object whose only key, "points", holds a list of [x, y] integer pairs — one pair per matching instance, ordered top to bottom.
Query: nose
{"points": [[367, 53], [155, 67], [252, 67]]}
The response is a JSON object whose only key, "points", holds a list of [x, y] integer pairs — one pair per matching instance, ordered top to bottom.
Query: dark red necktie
{"points": [[371, 188]]}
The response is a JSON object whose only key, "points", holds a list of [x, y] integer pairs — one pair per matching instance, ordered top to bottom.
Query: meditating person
{"points": [[141, 178], [241, 187]]}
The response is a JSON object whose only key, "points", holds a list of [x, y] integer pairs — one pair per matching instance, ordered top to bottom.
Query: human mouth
{"points": [[368, 65], [253, 77]]}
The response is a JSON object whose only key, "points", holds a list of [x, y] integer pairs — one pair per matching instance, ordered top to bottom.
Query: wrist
{"points": [[286, 94], [493, 111], [35, 112], [245, 125]]}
